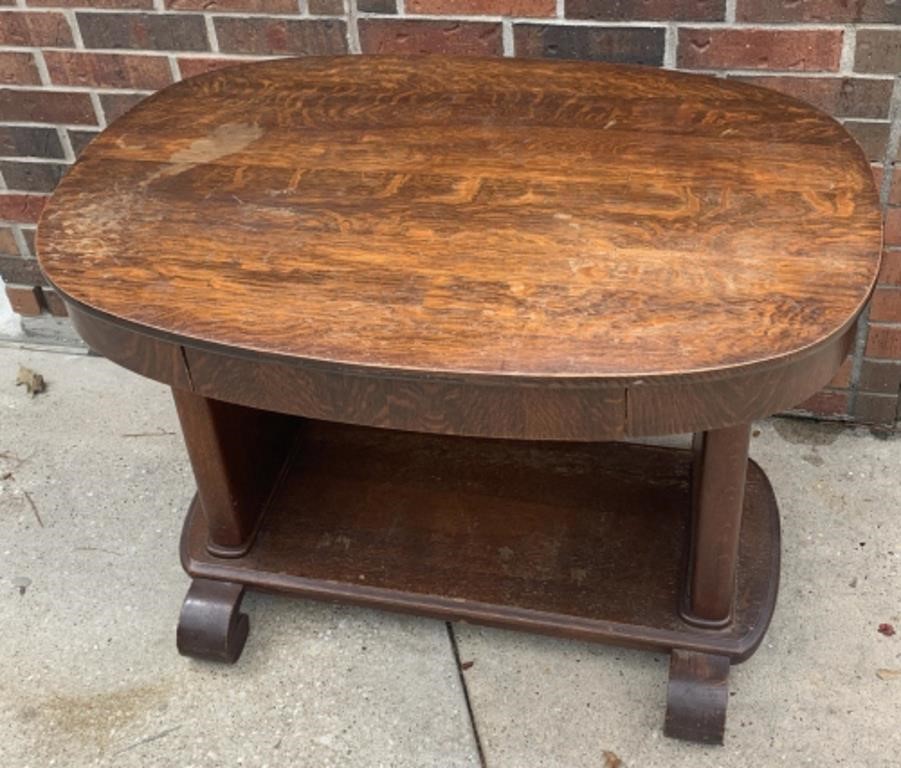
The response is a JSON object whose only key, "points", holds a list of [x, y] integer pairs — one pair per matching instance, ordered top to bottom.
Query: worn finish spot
{"points": [[225, 140]]}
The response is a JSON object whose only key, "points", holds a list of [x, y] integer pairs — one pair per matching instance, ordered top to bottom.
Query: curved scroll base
{"points": [[211, 625], [696, 697]]}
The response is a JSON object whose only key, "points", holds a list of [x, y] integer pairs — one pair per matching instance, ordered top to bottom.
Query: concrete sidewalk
{"points": [[94, 486]]}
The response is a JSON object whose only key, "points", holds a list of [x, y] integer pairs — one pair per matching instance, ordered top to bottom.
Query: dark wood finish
{"points": [[617, 238], [512, 249], [139, 352], [671, 407], [537, 410], [540, 410], [237, 454], [718, 486], [581, 540], [211, 625], [697, 696]]}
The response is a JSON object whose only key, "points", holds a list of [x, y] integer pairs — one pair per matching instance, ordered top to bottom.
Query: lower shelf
{"points": [[581, 540]]}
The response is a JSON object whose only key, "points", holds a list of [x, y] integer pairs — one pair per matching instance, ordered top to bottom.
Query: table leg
{"points": [[237, 454], [718, 491], [698, 682]]}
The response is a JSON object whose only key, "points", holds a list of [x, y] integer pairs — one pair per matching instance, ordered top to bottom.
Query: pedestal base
{"points": [[580, 540]]}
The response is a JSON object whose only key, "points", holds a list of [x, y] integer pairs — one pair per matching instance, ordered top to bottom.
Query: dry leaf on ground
{"points": [[33, 381], [611, 760]]}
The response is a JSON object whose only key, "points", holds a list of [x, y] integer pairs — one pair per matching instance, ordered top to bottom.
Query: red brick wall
{"points": [[70, 67]]}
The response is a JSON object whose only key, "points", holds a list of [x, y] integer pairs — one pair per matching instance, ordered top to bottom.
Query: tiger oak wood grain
{"points": [[490, 223], [505, 249]]}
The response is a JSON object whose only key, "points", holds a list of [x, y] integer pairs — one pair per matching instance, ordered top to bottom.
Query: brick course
{"points": [[136, 5], [223, 6], [365, 6], [327, 7], [479, 7], [647, 10], [841, 11], [34, 29], [157, 32], [281, 36], [451, 37], [623, 45], [804, 50], [878, 50], [69, 67], [17, 68], [108, 70], [44, 106], [21, 141], [31, 177], [895, 193], [17, 207], [893, 226], [17, 270], [890, 274], [25, 299], [886, 305], [884, 342], [880, 376], [875, 409]]}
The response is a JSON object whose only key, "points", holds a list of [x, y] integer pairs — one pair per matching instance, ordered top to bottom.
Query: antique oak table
{"points": [[407, 306]]}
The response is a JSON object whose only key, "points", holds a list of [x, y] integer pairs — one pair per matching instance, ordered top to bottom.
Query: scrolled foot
{"points": [[211, 625], [696, 697]]}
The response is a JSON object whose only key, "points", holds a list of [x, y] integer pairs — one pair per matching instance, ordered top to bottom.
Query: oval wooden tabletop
{"points": [[472, 218]]}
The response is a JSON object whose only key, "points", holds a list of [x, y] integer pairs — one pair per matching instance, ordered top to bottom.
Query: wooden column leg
{"points": [[237, 454], [718, 491], [697, 693]]}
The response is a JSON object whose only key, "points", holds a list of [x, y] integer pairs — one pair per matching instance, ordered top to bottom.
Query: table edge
{"points": [[582, 408]]}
